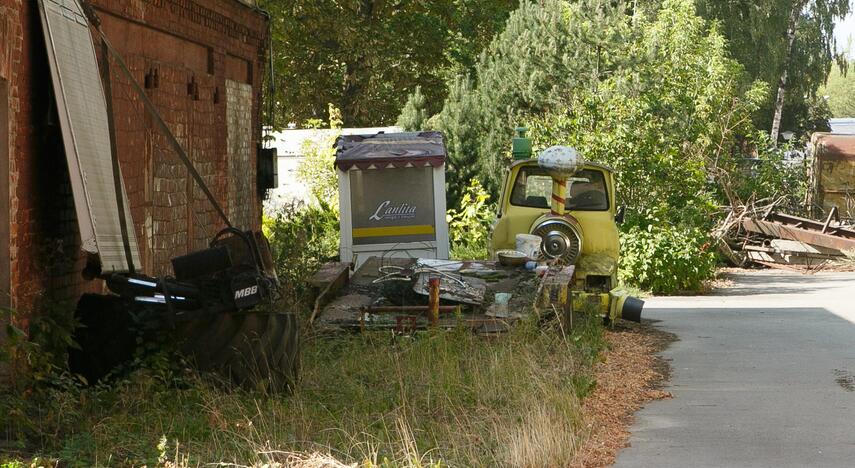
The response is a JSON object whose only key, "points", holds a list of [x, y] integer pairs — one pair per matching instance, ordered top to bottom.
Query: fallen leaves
{"points": [[629, 376]]}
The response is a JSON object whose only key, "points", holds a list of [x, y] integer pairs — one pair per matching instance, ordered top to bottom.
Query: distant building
{"points": [[845, 126], [289, 146]]}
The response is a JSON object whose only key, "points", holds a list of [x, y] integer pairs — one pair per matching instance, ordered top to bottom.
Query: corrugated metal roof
{"points": [[83, 118], [842, 126], [833, 147]]}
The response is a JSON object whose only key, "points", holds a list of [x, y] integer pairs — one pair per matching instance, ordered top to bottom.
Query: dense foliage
{"points": [[756, 34], [546, 49], [366, 56], [840, 90], [652, 91], [414, 115], [668, 124], [316, 170], [469, 225], [302, 238], [665, 259]]}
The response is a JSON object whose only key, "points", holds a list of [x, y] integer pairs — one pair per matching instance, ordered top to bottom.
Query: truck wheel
{"points": [[105, 336], [258, 350]]}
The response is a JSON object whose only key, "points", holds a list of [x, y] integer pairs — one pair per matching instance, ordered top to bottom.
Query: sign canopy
{"points": [[381, 150]]}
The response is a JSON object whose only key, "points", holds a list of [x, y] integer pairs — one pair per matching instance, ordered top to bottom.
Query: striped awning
{"points": [[384, 150]]}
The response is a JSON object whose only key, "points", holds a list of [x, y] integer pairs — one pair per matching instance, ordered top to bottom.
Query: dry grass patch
{"points": [[441, 398]]}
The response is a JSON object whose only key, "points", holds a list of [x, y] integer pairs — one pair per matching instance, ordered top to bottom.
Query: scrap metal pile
{"points": [[763, 236], [405, 294]]}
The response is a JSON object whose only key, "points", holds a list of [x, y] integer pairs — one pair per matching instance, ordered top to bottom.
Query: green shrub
{"points": [[414, 115], [316, 170], [469, 225], [302, 238], [665, 259]]}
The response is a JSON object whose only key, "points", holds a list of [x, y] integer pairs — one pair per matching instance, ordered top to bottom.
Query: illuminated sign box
{"points": [[392, 196]]}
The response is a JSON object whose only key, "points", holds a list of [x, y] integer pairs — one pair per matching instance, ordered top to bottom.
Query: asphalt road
{"points": [[763, 374]]}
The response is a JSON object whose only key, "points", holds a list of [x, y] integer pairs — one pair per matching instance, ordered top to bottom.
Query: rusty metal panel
{"points": [[82, 110], [833, 147], [834, 172], [844, 243]]}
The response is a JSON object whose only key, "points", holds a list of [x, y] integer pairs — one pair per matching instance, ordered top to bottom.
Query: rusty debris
{"points": [[760, 235], [408, 294]]}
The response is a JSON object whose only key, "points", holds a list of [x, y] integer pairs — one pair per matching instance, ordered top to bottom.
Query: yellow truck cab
{"points": [[584, 235]]}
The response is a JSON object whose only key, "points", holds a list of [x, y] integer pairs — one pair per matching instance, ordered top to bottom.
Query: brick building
{"points": [[202, 63]]}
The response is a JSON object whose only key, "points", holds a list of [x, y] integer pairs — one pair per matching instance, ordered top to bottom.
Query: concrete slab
{"points": [[763, 374]]}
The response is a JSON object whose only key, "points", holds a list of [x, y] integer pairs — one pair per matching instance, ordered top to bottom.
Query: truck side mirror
{"points": [[621, 211]]}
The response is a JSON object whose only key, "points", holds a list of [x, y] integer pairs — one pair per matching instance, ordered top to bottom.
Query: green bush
{"points": [[316, 170], [469, 225], [302, 238], [665, 259]]}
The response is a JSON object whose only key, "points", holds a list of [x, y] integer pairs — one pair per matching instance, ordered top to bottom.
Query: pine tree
{"points": [[546, 50], [414, 115], [460, 123]]}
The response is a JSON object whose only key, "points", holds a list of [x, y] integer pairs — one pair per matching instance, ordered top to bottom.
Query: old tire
{"points": [[106, 336], [258, 350]]}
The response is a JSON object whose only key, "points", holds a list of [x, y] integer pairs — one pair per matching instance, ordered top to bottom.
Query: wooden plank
{"points": [[810, 224], [812, 237], [791, 246], [774, 257], [328, 273], [326, 282]]}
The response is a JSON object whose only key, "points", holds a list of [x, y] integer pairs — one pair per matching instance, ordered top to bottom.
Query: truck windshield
{"points": [[533, 189]]}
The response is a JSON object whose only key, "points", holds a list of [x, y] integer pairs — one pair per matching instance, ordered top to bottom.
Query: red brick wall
{"points": [[200, 43], [10, 44], [192, 48], [42, 228]]}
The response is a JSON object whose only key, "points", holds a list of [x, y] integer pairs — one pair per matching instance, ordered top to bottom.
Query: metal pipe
{"points": [[559, 194], [433, 305]]}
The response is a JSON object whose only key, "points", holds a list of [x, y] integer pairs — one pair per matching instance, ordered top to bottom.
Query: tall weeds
{"points": [[442, 398]]}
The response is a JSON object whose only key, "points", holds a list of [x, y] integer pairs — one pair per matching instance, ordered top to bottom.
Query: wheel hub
{"points": [[555, 244]]}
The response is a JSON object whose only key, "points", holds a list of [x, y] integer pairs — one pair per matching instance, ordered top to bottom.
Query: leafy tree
{"points": [[789, 44], [365, 56], [840, 90], [669, 124], [316, 170], [469, 226]]}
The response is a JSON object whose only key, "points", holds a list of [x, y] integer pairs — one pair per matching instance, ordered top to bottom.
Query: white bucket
{"points": [[529, 244]]}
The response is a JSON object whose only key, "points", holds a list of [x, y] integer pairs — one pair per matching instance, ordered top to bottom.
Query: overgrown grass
{"points": [[441, 397]]}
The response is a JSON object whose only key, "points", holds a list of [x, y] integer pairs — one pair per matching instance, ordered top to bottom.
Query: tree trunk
{"points": [[792, 26], [357, 74], [352, 109]]}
